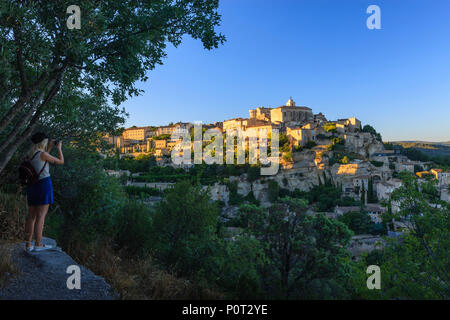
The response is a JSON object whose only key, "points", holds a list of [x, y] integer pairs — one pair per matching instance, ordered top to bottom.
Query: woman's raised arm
{"points": [[45, 156]]}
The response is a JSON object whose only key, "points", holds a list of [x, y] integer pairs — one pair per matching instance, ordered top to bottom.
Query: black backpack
{"points": [[27, 173]]}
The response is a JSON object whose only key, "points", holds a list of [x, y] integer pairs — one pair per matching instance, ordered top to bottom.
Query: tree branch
{"points": [[19, 57]]}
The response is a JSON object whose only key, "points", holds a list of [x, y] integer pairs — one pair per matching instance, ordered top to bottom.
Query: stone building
{"points": [[260, 113], [291, 113], [232, 124], [349, 124], [138, 133], [301, 136], [159, 144], [404, 166], [384, 189]]}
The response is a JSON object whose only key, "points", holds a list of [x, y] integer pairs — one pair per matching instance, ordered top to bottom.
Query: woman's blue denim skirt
{"points": [[40, 193]]}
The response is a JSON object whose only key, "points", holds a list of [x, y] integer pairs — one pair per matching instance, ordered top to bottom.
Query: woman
{"points": [[40, 194]]}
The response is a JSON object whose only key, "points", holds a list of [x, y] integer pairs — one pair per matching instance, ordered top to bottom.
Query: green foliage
{"points": [[78, 72], [330, 127], [370, 129], [162, 137], [338, 140], [283, 141], [388, 146], [417, 155], [287, 156], [141, 163], [377, 163], [253, 173], [274, 190], [142, 191], [430, 191], [371, 192], [324, 197], [234, 198], [88, 199], [358, 221], [133, 225], [184, 228], [306, 255], [237, 268], [417, 268]]}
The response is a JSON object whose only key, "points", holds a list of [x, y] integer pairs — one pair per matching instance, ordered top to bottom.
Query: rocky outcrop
{"points": [[362, 143]]}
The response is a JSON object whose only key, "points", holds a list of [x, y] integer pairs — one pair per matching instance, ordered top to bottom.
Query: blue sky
{"points": [[321, 53]]}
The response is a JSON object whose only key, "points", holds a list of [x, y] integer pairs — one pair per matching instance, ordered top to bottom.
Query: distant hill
{"points": [[445, 143], [431, 149]]}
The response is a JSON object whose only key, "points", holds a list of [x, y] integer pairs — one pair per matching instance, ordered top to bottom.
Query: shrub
{"points": [[330, 127], [337, 140], [298, 148], [287, 156], [345, 160], [377, 163], [274, 190], [140, 191], [88, 199], [13, 213], [183, 229]]}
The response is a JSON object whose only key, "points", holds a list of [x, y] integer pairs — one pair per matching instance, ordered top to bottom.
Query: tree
{"points": [[46, 66], [330, 127], [370, 129], [345, 160], [274, 190], [371, 193], [87, 199], [357, 221], [184, 228], [306, 253], [417, 267]]}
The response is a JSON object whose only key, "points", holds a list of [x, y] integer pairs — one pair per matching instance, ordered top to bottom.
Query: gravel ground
{"points": [[42, 276]]}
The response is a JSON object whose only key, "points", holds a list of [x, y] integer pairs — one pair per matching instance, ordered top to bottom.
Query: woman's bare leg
{"points": [[29, 224], [39, 225]]}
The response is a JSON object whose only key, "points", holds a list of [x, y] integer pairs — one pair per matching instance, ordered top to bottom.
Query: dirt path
{"points": [[42, 276]]}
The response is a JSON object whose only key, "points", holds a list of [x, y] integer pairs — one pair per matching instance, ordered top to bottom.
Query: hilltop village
{"points": [[313, 151]]}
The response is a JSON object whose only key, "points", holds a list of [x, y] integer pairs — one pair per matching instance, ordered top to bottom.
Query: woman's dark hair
{"points": [[38, 137]]}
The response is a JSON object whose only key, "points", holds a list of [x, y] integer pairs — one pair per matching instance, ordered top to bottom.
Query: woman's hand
{"points": [[59, 145]]}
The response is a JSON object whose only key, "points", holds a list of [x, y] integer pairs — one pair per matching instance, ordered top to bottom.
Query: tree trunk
{"points": [[24, 98], [24, 120], [12, 148], [9, 152]]}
